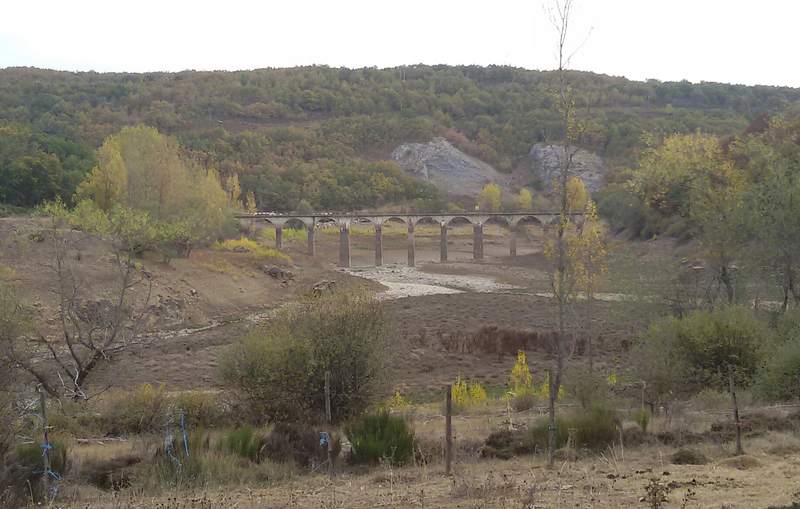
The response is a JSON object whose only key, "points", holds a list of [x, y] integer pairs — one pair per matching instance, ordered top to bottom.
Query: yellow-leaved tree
{"points": [[143, 170], [690, 181], [107, 184], [490, 199], [524, 201], [588, 252], [520, 380]]}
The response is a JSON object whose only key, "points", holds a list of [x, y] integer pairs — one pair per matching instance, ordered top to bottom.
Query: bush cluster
{"points": [[279, 370], [145, 409], [594, 429], [380, 436]]}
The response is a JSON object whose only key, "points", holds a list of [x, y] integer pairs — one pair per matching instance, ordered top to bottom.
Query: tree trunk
{"points": [[725, 277], [785, 303], [736, 420], [551, 423]]}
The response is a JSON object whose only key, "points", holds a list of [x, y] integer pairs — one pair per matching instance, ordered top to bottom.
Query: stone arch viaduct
{"points": [[311, 221]]}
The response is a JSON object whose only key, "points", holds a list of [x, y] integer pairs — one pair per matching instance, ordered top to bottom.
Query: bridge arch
{"points": [[396, 219], [458, 219], [526, 219], [426, 220], [500, 220], [297, 223]]}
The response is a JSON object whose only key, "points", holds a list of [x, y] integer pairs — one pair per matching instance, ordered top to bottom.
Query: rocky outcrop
{"points": [[546, 162], [448, 168]]}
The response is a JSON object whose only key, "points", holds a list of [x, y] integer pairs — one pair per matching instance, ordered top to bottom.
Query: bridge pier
{"points": [[279, 237], [477, 242], [443, 243], [512, 243], [378, 245], [344, 246], [411, 246], [312, 248]]}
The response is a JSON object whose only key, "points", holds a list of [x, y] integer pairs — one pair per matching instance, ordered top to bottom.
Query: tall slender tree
{"points": [[562, 275]]}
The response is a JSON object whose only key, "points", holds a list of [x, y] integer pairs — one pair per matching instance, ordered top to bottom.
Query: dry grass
{"points": [[252, 248], [220, 267], [614, 477], [600, 481]]}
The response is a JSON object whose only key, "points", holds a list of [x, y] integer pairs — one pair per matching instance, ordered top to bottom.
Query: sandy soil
{"points": [[212, 298]]}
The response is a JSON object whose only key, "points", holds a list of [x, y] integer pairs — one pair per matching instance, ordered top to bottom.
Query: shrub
{"points": [[623, 209], [699, 351], [279, 370], [520, 378], [779, 378], [520, 384], [588, 387], [542, 390], [466, 395], [711, 399], [523, 401], [398, 403], [201, 408], [145, 409], [134, 412], [642, 418], [9, 424], [596, 427], [593, 428], [537, 434], [379, 436], [244, 442], [506, 443], [299, 444], [688, 457], [208, 464], [28, 466], [110, 473]]}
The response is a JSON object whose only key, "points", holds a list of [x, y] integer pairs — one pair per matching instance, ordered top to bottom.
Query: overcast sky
{"points": [[734, 41]]}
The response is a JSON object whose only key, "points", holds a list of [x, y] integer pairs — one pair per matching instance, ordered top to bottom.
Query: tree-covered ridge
{"points": [[270, 125]]}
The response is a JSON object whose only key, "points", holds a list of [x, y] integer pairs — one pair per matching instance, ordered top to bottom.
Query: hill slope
{"points": [[289, 133]]}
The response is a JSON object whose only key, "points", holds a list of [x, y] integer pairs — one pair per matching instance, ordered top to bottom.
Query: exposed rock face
{"points": [[585, 165], [448, 168]]}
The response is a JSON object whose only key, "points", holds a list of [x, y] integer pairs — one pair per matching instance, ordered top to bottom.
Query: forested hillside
{"points": [[320, 135]]}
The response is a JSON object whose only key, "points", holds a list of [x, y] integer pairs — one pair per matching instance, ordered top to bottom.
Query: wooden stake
{"points": [[329, 419], [448, 423], [45, 445], [739, 450]]}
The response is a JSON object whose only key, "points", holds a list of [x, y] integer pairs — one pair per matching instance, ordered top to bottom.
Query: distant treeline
{"points": [[318, 134]]}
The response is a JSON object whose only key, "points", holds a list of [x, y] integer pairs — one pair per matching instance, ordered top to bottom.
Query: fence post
{"points": [[448, 423], [45, 445]]}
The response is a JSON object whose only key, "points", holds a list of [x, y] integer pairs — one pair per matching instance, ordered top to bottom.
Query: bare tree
{"points": [[90, 329]]}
